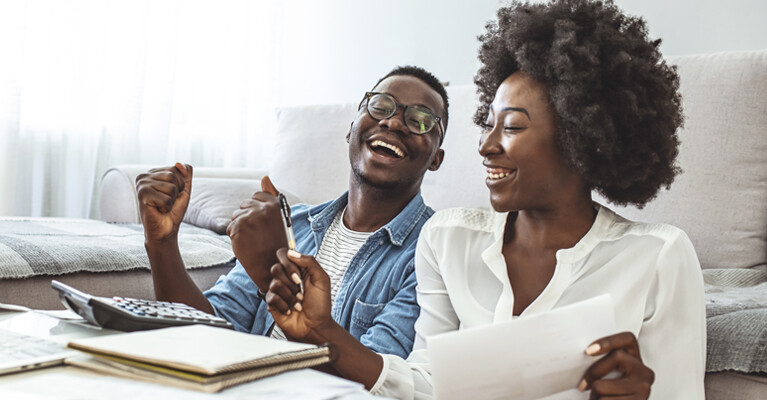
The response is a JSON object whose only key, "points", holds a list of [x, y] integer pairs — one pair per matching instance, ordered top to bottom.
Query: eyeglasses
{"points": [[419, 119]]}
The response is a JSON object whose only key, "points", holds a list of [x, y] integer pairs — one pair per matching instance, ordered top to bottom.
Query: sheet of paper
{"points": [[12, 307], [532, 357], [75, 384]]}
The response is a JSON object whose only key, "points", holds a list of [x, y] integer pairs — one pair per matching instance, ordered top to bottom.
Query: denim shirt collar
{"points": [[397, 229]]}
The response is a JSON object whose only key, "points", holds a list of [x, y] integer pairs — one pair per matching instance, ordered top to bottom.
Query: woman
{"points": [[574, 98]]}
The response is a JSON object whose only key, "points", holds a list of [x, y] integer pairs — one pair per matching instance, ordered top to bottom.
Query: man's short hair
{"points": [[427, 78]]}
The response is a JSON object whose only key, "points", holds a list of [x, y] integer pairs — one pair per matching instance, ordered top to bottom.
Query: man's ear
{"points": [[349, 134], [437, 161]]}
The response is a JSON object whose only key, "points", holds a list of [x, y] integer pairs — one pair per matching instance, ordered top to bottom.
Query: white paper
{"points": [[528, 358], [74, 384]]}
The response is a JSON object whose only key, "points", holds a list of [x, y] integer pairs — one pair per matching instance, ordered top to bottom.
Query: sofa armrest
{"points": [[118, 201]]}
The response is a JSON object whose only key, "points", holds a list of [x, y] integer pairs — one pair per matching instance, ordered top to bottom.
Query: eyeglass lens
{"points": [[418, 119]]}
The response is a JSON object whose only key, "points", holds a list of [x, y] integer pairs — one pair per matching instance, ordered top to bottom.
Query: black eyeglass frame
{"points": [[397, 106]]}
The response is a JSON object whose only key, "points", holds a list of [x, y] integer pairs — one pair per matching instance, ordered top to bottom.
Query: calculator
{"points": [[127, 314]]}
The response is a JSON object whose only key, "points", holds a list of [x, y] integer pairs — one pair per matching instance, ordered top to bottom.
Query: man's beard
{"points": [[393, 186]]}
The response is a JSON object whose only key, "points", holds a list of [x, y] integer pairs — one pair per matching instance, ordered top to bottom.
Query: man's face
{"points": [[385, 154]]}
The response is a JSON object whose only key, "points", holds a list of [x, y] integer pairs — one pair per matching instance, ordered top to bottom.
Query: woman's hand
{"points": [[306, 317], [622, 356]]}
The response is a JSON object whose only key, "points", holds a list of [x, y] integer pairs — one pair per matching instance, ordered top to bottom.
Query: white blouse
{"points": [[650, 270]]}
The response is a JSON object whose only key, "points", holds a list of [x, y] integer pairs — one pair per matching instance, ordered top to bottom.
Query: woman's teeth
{"points": [[496, 174]]}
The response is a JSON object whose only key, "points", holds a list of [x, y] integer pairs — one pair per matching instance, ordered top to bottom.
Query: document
{"points": [[196, 357], [532, 357], [79, 384]]}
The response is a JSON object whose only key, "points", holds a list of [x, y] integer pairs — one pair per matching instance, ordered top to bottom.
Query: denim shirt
{"points": [[376, 302]]}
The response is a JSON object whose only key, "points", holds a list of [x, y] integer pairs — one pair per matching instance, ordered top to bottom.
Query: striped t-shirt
{"points": [[337, 249]]}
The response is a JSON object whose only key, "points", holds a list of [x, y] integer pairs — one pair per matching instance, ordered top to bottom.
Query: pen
{"points": [[289, 230]]}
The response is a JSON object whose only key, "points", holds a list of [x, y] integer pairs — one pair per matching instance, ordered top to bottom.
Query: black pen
{"points": [[289, 230]]}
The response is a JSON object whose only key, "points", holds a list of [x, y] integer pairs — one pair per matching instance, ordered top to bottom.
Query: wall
{"points": [[335, 50]]}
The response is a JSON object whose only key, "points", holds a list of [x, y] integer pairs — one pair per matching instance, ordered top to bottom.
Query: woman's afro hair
{"points": [[616, 101]]}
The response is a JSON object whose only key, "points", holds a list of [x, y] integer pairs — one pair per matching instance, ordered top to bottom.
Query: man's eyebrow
{"points": [[518, 109]]}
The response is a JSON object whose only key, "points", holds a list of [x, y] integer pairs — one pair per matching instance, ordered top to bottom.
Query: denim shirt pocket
{"points": [[363, 315]]}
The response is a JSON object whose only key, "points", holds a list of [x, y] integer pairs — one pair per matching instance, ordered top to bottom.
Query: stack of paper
{"points": [[195, 357]]}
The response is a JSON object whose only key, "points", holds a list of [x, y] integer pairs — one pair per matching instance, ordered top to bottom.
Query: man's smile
{"points": [[387, 149]]}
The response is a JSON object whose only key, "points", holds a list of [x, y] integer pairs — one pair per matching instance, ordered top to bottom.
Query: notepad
{"points": [[195, 357]]}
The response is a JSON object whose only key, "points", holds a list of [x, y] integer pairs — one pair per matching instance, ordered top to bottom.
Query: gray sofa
{"points": [[720, 200]]}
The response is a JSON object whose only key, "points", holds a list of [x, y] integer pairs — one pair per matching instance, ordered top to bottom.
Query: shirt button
{"points": [[381, 242]]}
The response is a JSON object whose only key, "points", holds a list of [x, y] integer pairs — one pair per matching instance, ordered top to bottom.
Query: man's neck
{"points": [[370, 208]]}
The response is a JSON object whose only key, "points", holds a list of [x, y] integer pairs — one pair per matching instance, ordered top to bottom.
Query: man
{"points": [[365, 239]]}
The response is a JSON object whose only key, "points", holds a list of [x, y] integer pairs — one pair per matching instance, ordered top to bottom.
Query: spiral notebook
{"points": [[195, 357]]}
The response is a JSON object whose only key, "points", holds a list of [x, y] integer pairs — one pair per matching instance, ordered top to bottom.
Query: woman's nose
{"points": [[489, 142]]}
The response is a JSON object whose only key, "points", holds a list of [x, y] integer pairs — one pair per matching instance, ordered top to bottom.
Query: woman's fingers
{"points": [[309, 269], [282, 287], [623, 340], [636, 377], [620, 388]]}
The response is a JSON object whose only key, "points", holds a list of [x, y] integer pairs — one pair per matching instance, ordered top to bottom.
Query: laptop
{"points": [[21, 352]]}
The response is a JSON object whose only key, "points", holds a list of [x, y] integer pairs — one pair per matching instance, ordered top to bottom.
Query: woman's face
{"points": [[524, 169]]}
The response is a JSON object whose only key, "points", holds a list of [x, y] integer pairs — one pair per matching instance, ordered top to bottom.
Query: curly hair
{"points": [[616, 101]]}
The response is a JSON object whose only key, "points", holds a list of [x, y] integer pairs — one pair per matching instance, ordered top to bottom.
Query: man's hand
{"points": [[163, 196], [257, 231], [306, 317], [622, 356]]}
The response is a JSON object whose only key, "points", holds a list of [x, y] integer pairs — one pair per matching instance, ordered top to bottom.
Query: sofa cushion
{"points": [[311, 158], [460, 180], [720, 199], [214, 200], [57, 246], [736, 310]]}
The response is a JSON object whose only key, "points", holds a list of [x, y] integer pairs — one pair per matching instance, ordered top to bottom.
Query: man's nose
{"points": [[396, 122]]}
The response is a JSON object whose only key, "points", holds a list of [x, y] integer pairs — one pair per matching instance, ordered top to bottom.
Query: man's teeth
{"points": [[393, 148]]}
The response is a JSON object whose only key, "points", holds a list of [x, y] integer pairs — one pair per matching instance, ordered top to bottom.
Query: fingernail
{"points": [[294, 253], [296, 279], [300, 296], [298, 307], [288, 313], [593, 349], [583, 385]]}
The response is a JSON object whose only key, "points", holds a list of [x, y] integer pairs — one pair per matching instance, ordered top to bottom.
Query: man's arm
{"points": [[163, 195]]}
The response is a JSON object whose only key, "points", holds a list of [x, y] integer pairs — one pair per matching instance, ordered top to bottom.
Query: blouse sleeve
{"points": [[672, 340], [411, 378]]}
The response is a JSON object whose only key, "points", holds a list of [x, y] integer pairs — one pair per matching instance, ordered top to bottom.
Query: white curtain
{"points": [[85, 85]]}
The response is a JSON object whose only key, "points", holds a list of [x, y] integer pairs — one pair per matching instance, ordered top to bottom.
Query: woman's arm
{"points": [[306, 317], [672, 337], [411, 378]]}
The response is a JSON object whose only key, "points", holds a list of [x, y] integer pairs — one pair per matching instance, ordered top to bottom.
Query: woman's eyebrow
{"points": [[519, 109]]}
